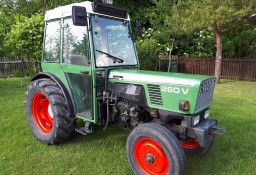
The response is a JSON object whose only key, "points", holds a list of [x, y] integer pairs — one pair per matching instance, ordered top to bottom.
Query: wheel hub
{"points": [[50, 111], [42, 113], [150, 159]]}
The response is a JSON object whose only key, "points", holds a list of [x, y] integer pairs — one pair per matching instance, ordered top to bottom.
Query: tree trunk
{"points": [[218, 60]]}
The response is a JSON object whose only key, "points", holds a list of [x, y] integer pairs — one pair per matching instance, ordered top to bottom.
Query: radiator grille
{"points": [[155, 94], [205, 94]]}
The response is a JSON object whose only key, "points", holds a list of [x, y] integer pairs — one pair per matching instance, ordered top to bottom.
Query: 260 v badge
{"points": [[175, 90]]}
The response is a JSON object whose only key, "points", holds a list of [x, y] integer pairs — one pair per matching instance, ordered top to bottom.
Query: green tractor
{"points": [[91, 72]]}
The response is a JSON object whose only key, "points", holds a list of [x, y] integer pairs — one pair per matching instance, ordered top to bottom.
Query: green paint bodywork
{"points": [[187, 85], [176, 87]]}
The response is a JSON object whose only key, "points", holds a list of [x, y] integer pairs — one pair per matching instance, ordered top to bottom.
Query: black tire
{"points": [[53, 125], [152, 142]]}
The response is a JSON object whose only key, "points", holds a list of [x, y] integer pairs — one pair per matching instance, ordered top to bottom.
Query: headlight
{"points": [[206, 114], [196, 120]]}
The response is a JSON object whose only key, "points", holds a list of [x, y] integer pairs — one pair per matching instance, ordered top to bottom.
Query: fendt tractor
{"points": [[91, 73]]}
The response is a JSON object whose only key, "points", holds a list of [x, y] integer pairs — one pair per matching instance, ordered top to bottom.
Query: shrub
{"points": [[148, 53]]}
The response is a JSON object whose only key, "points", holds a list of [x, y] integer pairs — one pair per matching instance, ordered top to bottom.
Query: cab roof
{"points": [[65, 11]]}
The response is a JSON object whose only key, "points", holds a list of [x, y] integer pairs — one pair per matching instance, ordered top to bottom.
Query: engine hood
{"points": [[141, 76], [166, 90]]}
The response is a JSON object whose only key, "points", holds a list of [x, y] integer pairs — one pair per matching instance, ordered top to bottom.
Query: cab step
{"points": [[84, 130]]}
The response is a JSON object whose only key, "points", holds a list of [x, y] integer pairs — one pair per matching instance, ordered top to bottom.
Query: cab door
{"points": [[76, 66]]}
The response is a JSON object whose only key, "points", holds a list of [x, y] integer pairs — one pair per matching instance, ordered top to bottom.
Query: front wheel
{"points": [[47, 112], [192, 147], [153, 150]]}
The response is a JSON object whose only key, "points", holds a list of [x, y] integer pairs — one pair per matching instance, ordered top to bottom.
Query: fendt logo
{"points": [[175, 90]]}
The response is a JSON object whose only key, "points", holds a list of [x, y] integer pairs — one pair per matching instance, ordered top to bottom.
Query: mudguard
{"points": [[68, 97]]}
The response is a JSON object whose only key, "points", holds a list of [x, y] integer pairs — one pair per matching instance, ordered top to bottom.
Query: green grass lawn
{"points": [[103, 152]]}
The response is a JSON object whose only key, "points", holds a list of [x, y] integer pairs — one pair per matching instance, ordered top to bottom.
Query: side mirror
{"points": [[79, 16], [138, 29]]}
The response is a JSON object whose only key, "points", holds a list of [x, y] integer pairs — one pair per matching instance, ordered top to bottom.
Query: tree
{"points": [[152, 15], [219, 16], [26, 36], [240, 42], [148, 52]]}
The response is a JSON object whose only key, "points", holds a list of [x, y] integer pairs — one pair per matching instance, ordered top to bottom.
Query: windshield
{"points": [[113, 45]]}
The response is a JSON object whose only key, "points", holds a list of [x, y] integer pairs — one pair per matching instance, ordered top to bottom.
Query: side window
{"points": [[52, 41], [75, 44]]}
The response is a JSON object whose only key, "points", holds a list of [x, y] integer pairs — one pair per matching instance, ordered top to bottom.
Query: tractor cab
{"points": [[83, 43]]}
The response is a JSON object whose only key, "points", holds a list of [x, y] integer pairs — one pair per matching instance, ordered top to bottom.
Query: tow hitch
{"points": [[216, 129], [205, 131]]}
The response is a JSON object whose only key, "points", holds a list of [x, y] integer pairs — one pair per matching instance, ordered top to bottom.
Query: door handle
{"points": [[84, 72]]}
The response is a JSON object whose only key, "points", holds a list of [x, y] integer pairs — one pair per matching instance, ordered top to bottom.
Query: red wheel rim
{"points": [[42, 113], [190, 144], [150, 157]]}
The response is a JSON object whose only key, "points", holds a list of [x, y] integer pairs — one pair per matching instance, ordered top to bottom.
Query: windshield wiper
{"points": [[116, 59]]}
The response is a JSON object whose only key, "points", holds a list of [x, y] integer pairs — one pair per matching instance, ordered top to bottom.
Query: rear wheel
{"points": [[47, 112], [193, 148], [152, 149]]}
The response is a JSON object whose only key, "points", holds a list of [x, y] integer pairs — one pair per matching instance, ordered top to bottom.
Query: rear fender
{"points": [[68, 97]]}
